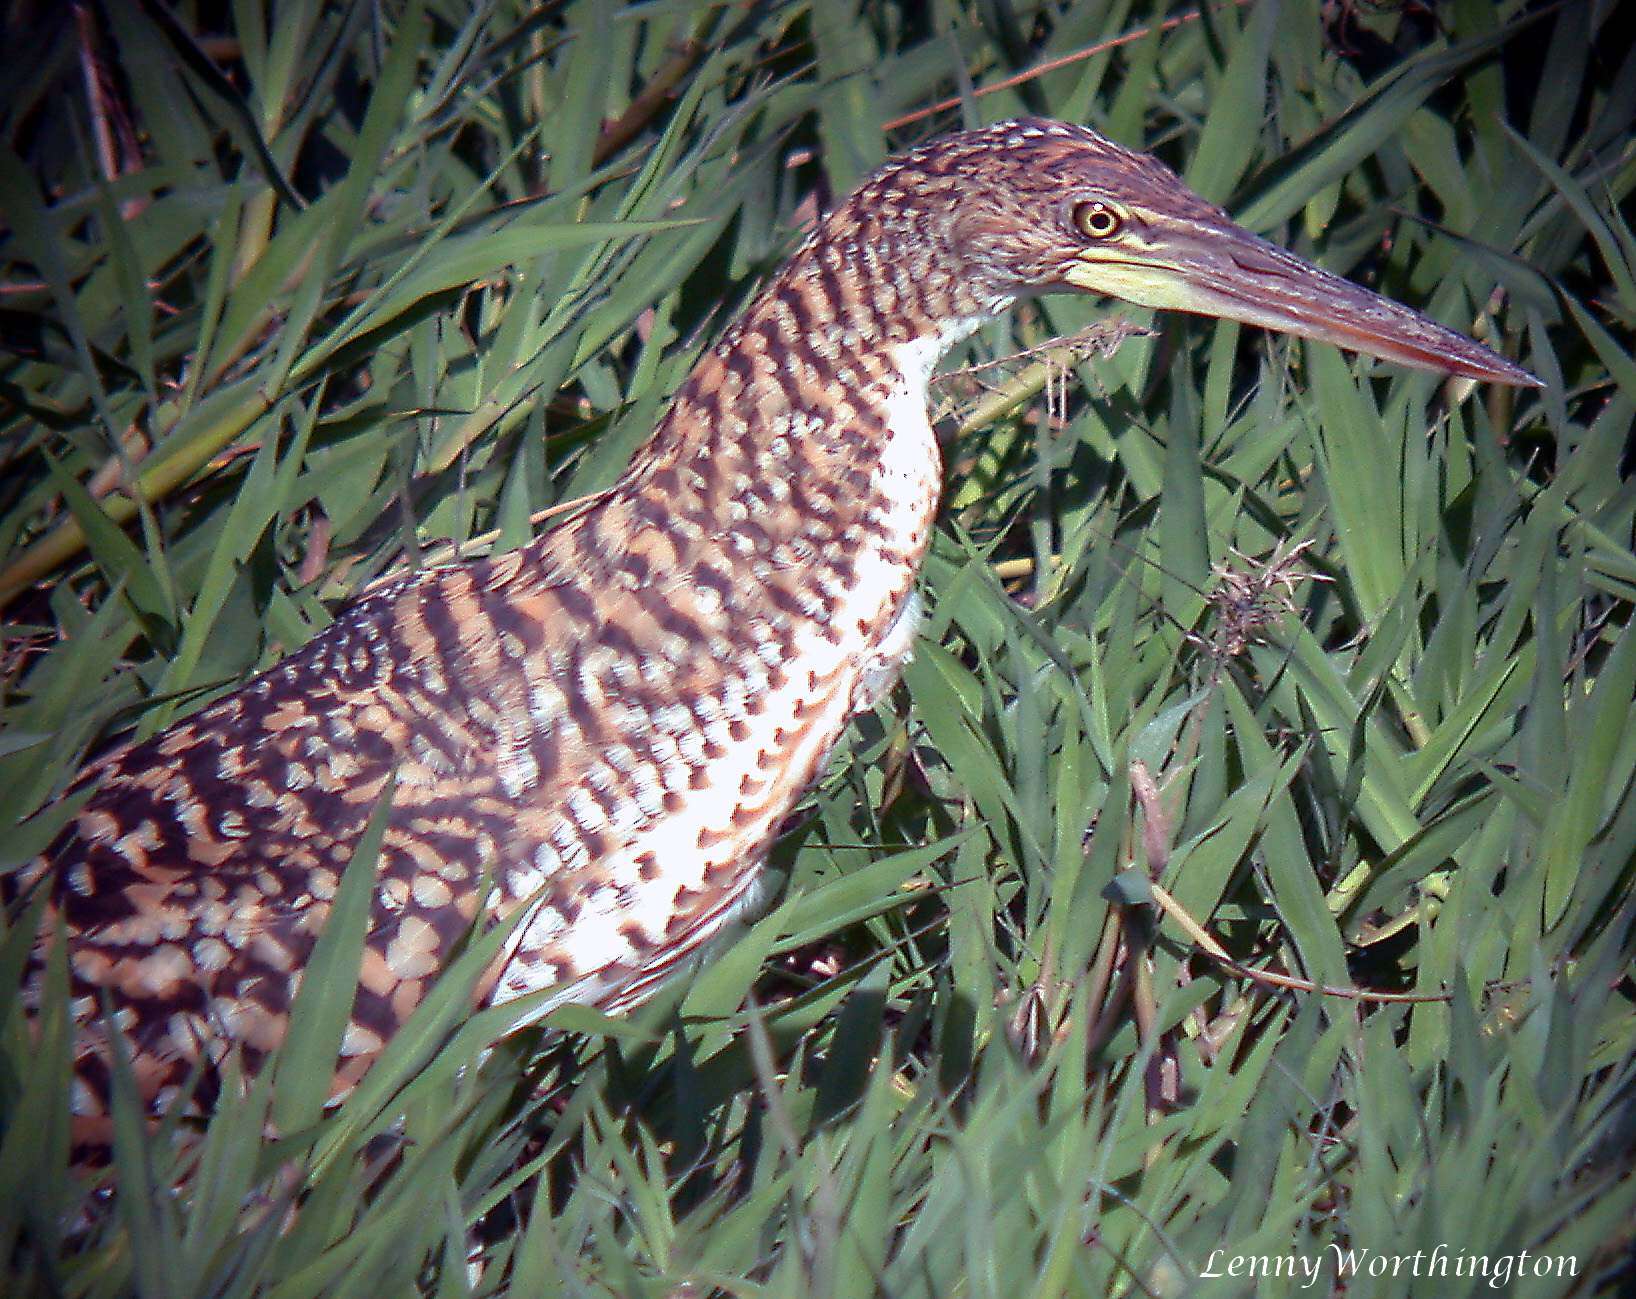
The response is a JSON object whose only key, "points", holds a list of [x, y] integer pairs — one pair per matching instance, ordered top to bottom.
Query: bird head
{"points": [[1034, 206]]}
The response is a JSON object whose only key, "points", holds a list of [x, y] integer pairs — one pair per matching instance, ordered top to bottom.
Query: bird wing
{"points": [[193, 883]]}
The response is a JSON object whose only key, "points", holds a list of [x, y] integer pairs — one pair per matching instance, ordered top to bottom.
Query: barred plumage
{"points": [[622, 712]]}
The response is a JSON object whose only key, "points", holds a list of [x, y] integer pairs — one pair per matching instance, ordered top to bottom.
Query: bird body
{"points": [[615, 718]]}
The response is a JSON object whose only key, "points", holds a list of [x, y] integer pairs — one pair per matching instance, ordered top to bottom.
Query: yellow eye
{"points": [[1096, 220]]}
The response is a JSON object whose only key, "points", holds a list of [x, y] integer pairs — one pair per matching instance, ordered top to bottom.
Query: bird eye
{"points": [[1096, 220]]}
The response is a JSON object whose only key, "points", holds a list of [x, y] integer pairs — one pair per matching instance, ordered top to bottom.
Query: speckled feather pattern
{"points": [[615, 718]]}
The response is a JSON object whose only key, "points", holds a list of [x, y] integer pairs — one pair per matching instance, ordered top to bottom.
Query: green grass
{"points": [[967, 1054]]}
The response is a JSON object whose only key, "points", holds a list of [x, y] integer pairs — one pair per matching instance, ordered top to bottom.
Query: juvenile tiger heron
{"points": [[616, 717]]}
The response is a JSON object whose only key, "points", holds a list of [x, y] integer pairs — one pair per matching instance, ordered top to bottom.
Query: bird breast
{"points": [[809, 628]]}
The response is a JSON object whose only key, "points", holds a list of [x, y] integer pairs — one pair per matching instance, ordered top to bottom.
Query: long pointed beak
{"points": [[1223, 270]]}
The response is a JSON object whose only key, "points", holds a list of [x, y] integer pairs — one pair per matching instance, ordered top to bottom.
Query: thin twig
{"points": [[1051, 65], [1104, 338], [1216, 952]]}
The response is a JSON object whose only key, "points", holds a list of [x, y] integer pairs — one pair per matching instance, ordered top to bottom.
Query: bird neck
{"points": [[818, 390]]}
